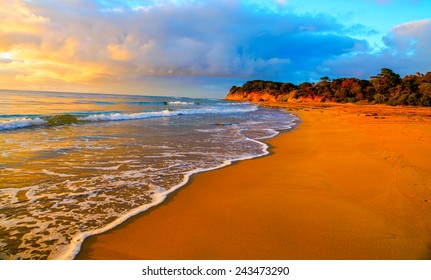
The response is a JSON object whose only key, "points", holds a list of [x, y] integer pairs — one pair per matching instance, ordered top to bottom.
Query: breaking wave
{"points": [[68, 119]]}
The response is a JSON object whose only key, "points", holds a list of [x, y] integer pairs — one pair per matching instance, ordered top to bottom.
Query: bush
{"points": [[384, 88], [284, 98], [380, 98]]}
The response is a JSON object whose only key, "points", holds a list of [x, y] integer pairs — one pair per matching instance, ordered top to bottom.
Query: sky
{"points": [[202, 48]]}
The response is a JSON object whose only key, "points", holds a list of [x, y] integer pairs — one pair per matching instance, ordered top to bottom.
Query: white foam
{"points": [[180, 103], [234, 103], [168, 113], [120, 117], [26, 122], [20, 123], [272, 132], [5, 154], [165, 155], [104, 168], [13, 170], [51, 173], [125, 179], [159, 196]]}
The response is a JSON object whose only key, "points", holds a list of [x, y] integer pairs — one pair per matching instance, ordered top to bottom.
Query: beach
{"points": [[350, 182]]}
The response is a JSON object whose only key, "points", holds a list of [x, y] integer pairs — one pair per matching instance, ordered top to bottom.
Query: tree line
{"points": [[386, 87]]}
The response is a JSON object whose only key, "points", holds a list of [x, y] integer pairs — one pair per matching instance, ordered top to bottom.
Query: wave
{"points": [[103, 102], [147, 103], [162, 103], [181, 103], [167, 113], [18, 116], [122, 117], [67, 119], [56, 120], [61, 120], [21, 123], [158, 197]]}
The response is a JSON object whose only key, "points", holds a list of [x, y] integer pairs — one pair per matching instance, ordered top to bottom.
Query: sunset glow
{"points": [[146, 46]]}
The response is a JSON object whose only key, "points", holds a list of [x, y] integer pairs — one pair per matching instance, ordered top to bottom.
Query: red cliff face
{"points": [[252, 96], [265, 96], [310, 99]]}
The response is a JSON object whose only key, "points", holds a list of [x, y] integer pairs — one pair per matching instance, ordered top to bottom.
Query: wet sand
{"points": [[350, 182]]}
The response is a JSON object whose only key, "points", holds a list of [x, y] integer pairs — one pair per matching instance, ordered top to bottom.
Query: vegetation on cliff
{"points": [[386, 87]]}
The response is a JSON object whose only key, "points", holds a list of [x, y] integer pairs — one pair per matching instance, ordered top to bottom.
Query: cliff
{"points": [[257, 91], [266, 96]]}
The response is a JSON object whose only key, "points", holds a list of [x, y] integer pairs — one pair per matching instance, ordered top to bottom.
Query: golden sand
{"points": [[351, 182]]}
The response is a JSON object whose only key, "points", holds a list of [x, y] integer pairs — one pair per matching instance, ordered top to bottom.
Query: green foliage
{"points": [[386, 81], [386, 87], [286, 88], [234, 89], [425, 89], [284, 98], [380, 98]]}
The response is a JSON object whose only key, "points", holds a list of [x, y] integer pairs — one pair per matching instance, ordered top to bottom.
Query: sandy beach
{"points": [[350, 182]]}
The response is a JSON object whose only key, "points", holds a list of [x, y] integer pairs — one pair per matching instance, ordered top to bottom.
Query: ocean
{"points": [[74, 165]]}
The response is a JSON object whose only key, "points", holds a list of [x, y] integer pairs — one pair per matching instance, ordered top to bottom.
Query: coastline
{"points": [[344, 185], [160, 198]]}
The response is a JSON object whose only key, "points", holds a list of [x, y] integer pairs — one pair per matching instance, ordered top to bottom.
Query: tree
{"points": [[325, 79], [385, 82], [386, 87], [286, 88], [306, 89], [425, 89], [380, 98]]}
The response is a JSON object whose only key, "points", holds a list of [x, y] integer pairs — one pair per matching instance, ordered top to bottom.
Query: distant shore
{"points": [[351, 182]]}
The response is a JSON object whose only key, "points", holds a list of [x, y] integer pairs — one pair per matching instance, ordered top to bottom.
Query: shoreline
{"points": [[175, 191], [163, 197], [218, 214]]}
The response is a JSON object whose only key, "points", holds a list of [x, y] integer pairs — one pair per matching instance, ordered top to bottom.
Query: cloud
{"points": [[282, 2], [408, 2], [19, 25], [410, 37], [81, 41], [116, 44], [406, 51]]}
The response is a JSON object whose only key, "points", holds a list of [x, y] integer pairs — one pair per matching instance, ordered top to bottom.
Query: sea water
{"points": [[73, 165]]}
